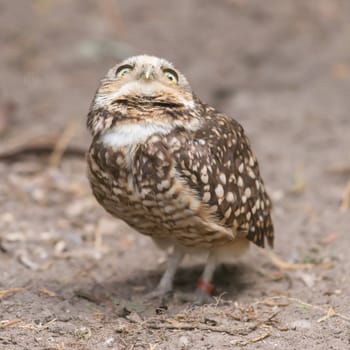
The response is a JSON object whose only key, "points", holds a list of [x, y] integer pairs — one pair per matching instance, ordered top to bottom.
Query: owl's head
{"points": [[141, 89]]}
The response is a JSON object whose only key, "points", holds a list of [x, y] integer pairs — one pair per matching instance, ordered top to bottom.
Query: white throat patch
{"points": [[131, 134]]}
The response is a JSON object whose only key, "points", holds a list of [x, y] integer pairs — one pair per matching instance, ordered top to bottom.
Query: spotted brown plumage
{"points": [[174, 168]]}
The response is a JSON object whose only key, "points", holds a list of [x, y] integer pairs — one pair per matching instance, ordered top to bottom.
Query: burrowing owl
{"points": [[174, 168]]}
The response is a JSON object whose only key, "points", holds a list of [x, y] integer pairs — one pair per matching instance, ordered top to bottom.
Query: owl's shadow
{"points": [[228, 280]]}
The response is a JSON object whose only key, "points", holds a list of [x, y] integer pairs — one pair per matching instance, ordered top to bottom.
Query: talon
{"points": [[160, 294], [202, 297]]}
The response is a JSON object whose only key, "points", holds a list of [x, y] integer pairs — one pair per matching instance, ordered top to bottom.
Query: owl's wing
{"points": [[219, 165]]}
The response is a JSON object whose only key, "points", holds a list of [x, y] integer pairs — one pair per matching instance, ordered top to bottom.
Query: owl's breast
{"points": [[140, 185]]}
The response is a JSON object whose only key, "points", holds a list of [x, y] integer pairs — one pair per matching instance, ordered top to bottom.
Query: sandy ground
{"points": [[72, 277]]}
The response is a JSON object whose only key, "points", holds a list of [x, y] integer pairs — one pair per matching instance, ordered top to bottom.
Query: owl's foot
{"points": [[165, 286], [204, 287], [203, 292], [161, 294], [199, 297], [202, 297]]}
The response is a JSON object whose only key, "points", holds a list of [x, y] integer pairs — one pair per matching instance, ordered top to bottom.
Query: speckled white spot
{"points": [[120, 160], [251, 173], [204, 174], [205, 178], [222, 178], [232, 178], [219, 190], [206, 197], [230, 197], [257, 204], [254, 210], [228, 213]]}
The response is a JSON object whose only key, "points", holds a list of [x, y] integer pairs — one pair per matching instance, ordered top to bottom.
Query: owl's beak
{"points": [[148, 73]]}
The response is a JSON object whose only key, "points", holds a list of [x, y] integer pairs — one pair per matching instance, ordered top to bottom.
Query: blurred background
{"points": [[233, 51], [281, 68]]}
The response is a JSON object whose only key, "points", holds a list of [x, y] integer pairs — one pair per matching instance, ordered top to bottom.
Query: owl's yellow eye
{"points": [[124, 69], [171, 75]]}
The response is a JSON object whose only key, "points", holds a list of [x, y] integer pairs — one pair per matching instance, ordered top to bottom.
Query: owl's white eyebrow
{"points": [[131, 134]]}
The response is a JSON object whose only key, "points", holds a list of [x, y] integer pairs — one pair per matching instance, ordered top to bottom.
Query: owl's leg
{"points": [[166, 283], [204, 286]]}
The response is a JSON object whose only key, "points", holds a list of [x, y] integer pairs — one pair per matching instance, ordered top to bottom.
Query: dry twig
{"points": [[62, 143], [41, 144], [341, 169], [299, 185], [345, 204], [329, 238], [284, 265], [5, 292], [47, 292], [328, 313], [4, 324], [175, 325], [39, 327], [253, 340]]}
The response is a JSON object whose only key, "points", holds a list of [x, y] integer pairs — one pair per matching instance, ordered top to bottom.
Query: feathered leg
{"points": [[166, 283]]}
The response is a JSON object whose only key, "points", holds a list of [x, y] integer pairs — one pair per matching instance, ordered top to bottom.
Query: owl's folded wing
{"points": [[218, 164]]}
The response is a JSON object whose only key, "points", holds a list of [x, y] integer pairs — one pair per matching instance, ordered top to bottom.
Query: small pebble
{"points": [[301, 324], [109, 341], [184, 343]]}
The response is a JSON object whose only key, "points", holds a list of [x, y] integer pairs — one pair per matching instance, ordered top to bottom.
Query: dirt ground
{"points": [[72, 277]]}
